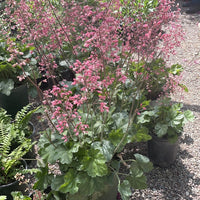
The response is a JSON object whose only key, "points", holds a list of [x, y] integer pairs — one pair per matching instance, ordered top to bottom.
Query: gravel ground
{"points": [[182, 180]]}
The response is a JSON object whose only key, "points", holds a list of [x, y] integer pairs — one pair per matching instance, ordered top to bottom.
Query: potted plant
{"points": [[13, 78], [165, 121], [22, 128], [88, 159], [11, 160], [87, 171]]}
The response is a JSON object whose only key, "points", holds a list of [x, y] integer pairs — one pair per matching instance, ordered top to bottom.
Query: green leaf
{"points": [[27, 55], [33, 61], [63, 63], [176, 69], [6, 86], [183, 87], [189, 115], [145, 117], [121, 120], [177, 120], [99, 126], [161, 129], [141, 135], [115, 136], [172, 138], [106, 148], [58, 150], [59, 153], [49, 154], [65, 156], [143, 162], [94, 163], [115, 164], [141, 165], [43, 179], [137, 179], [71, 181], [57, 182], [88, 184], [91, 187], [125, 190], [55, 195], [19, 196], [77, 196], [3, 197]]}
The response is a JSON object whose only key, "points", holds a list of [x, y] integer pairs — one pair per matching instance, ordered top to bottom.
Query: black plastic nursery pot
{"points": [[45, 83], [15, 101], [161, 152], [14, 186]]}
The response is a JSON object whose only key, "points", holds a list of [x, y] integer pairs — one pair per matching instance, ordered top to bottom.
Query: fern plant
{"points": [[22, 122], [14, 141], [10, 160]]}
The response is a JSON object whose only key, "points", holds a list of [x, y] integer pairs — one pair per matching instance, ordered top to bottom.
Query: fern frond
{"points": [[4, 116], [23, 116], [19, 118], [5, 138], [17, 154], [29, 171]]}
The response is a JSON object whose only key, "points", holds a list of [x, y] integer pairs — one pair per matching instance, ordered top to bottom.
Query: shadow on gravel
{"points": [[194, 17], [194, 108], [186, 139]]}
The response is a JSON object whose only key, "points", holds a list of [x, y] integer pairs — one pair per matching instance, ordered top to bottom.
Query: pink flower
{"points": [[21, 78], [103, 107]]}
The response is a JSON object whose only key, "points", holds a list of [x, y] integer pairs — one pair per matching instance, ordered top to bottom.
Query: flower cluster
{"points": [[98, 42]]}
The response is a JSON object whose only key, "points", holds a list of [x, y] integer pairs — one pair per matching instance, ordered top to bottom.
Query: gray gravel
{"points": [[182, 180]]}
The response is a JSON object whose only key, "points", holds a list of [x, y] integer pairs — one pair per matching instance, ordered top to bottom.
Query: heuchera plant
{"points": [[11, 74], [93, 117], [165, 119]]}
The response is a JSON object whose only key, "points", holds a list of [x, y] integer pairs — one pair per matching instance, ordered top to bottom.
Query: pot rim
{"points": [[162, 139], [13, 183]]}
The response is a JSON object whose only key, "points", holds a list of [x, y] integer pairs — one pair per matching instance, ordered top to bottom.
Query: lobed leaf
{"points": [[105, 147], [94, 163], [71, 181], [125, 190]]}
